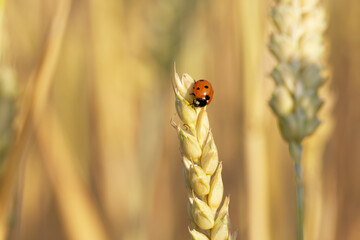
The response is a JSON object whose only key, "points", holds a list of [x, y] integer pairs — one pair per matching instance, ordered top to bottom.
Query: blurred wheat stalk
{"points": [[298, 46], [8, 89], [8, 93], [256, 139], [201, 166], [77, 210]]}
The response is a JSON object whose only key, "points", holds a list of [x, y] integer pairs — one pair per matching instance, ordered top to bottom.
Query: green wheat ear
{"points": [[298, 46], [201, 166]]}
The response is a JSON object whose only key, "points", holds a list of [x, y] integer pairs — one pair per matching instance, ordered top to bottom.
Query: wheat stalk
{"points": [[298, 46], [8, 94], [8, 111], [201, 166]]}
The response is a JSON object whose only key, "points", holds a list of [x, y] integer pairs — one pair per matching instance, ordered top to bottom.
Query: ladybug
{"points": [[203, 93]]}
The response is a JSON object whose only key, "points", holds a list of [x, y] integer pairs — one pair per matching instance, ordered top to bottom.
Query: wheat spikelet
{"points": [[298, 46], [201, 166]]}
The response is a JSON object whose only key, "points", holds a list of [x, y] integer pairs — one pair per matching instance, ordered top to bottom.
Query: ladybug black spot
{"points": [[201, 80], [206, 86], [197, 88], [207, 97], [199, 102]]}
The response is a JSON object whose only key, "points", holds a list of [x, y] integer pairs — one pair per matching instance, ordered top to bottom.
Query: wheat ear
{"points": [[298, 46], [201, 166]]}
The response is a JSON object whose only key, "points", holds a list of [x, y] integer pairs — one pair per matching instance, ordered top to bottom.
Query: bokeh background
{"points": [[93, 155]]}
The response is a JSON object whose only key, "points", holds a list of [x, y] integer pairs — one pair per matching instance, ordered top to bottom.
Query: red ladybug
{"points": [[203, 93]]}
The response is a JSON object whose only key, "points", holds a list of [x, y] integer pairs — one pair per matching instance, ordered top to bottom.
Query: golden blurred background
{"points": [[93, 154]]}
